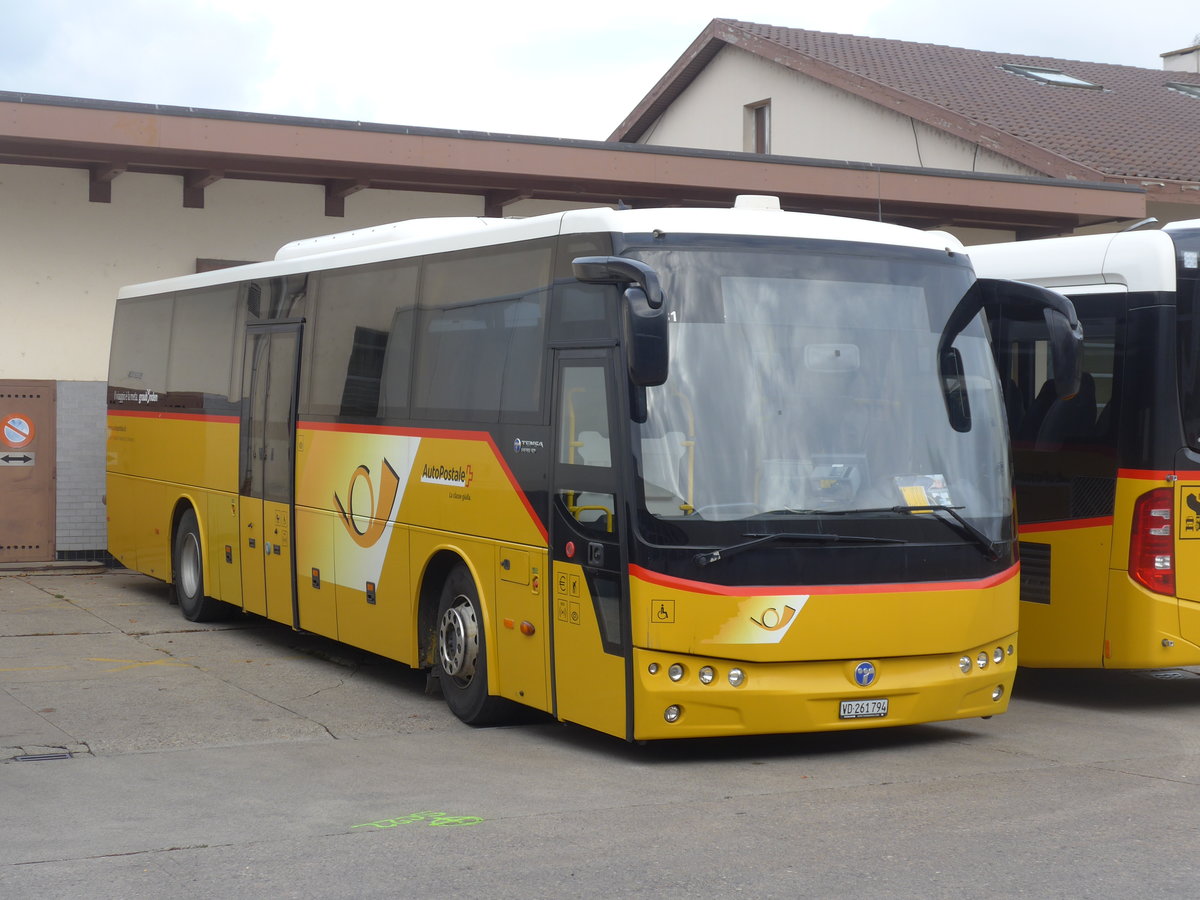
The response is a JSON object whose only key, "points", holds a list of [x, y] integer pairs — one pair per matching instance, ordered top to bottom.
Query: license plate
{"points": [[876, 708]]}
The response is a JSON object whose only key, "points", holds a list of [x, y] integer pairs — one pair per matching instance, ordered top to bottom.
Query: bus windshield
{"points": [[804, 384]]}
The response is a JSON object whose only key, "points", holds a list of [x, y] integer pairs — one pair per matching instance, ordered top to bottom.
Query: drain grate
{"points": [[42, 757]]}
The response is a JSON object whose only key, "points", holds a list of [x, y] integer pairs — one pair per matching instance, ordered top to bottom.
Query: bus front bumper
{"points": [[677, 695]]}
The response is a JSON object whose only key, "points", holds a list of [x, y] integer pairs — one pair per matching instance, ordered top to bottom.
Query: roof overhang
{"points": [[109, 139]]}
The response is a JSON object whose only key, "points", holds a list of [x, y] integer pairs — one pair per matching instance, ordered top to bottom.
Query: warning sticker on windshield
{"points": [[923, 490]]}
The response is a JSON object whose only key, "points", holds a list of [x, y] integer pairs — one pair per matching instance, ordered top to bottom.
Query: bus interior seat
{"points": [[1070, 418], [1031, 421]]}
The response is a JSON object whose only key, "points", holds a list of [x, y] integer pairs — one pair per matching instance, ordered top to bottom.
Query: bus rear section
{"points": [[660, 473], [1108, 482]]}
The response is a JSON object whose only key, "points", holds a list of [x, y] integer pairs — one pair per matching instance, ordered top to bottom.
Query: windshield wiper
{"points": [[960, 523], [986, 544], [704, 559]]}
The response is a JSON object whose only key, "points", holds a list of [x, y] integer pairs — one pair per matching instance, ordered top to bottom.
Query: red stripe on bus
{"points": [[178, 416], [400, 431], [443, 433], [1149, 474], [1066, 525], [702, 587]]}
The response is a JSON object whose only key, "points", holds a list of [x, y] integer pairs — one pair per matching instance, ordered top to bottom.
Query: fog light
{"points": [[1011, 650], [998, 655], [982, 661], [964, 663], [652, 668], [675, 672], [707, 674], [736, 677], [998, 692], [672, 713]]}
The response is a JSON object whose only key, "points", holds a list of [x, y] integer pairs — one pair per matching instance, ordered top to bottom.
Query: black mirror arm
{"points": [[620, 270]]}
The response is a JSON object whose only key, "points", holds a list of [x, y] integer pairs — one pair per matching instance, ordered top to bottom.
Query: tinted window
{"points": [[1187, 259], [480, 332], [202, 343], [363, 343], [140, 344], [1064, 448]]}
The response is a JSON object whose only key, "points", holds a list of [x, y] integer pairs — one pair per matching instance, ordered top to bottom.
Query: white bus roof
{"points": [[415, 237], [1125, 261]]}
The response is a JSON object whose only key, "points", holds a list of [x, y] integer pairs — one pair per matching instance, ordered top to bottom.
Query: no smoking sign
{"points": [[17, 431]]}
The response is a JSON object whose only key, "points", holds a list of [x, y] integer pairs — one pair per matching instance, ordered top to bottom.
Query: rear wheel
{"points": [[188, 565], [462, 653]]}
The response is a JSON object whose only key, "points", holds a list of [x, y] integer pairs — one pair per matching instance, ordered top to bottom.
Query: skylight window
{"points": [[1050, 76], [1192, 90]]}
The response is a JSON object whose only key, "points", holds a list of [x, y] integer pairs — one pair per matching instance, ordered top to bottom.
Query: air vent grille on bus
{"points": [[1092, 496], [1035, 572]]}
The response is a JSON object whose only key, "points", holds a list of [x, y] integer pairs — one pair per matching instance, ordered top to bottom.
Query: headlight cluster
{"points": [[984, 659], [679, 672]]}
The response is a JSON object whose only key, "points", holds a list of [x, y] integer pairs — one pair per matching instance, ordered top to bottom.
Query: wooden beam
{"points": [[100, 179], [194, 184], [337, 191], [495, 201]]}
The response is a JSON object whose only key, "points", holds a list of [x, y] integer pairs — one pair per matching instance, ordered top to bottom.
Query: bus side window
{"points": [[362, 336], [584, 417], [1040, 419], [584, 441]]}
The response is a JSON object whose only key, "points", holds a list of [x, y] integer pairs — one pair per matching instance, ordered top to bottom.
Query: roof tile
{"points": [[1135, 126]]}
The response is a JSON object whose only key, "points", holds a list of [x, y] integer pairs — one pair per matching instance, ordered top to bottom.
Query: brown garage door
{"points": [[27, 421]]}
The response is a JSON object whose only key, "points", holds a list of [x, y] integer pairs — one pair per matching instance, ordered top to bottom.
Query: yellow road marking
{"points": [[136, 663]]}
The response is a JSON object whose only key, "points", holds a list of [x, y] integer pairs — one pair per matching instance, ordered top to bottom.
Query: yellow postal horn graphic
{"points": [[375, 519], [772, 620]]}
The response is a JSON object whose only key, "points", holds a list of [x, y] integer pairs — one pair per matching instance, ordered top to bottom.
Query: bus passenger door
{"points": [[267, 457], [589, 606]]}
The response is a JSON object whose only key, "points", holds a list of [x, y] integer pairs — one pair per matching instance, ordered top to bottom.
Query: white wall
{"points": [[809, 118], [63, 258]]}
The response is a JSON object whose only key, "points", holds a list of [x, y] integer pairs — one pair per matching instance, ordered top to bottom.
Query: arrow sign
{"points": [[17, 459]]}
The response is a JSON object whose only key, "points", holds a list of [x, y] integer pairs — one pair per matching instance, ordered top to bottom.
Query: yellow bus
{"points": [[659, 472], [1108, 483]]}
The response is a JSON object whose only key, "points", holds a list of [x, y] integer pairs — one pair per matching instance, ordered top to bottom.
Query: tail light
{"points": [[1151, 542]]}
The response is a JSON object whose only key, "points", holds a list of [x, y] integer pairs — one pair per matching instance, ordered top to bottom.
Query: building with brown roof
{"points": [[788, 91], [99, 194]]}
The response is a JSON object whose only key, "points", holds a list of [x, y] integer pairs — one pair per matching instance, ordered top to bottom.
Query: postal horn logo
{"points": [[366, 526], [777, 622]]}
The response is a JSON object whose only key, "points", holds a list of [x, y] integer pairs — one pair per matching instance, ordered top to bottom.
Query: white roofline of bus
{"points": [[416, 237], [1093, 263]]}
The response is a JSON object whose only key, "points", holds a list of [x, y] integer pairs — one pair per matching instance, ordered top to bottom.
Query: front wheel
{"points": [[188, 564], [462, 653]]}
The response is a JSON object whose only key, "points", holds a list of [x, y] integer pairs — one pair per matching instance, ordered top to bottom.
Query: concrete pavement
{"points": [[146, 756]]}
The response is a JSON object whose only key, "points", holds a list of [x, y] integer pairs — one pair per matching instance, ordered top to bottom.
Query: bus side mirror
{"points": [[1020, 300], [643, 318], [1066, 351]]}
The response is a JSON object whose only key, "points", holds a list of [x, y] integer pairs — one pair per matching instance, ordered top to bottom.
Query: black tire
{"points": [[188, 569], [462, 653]]}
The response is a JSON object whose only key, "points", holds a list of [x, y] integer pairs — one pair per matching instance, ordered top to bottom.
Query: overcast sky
{"points": [[558, 69]]}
